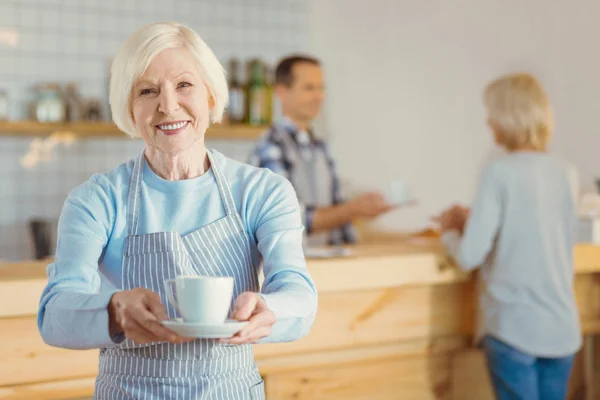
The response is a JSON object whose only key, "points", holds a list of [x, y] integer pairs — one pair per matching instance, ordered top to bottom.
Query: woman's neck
{"points": [[186, 164]]}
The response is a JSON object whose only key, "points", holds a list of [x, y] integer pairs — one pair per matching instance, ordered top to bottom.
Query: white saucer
{"points": [[203, 331]]}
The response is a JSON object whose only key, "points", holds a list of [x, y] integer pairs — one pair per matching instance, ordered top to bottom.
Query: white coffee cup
{"points": [[397, 192], [201, 299]]}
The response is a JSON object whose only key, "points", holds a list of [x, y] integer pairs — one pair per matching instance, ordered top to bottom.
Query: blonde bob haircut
{"points": [[138, 51], [518, 106]]}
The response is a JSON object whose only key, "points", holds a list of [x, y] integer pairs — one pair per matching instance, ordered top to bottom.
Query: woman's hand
{"points": [[454, 218], [251, 307], [137, 313]]}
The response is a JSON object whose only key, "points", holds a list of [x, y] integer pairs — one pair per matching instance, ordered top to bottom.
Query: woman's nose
{"points": [[168, 102]]}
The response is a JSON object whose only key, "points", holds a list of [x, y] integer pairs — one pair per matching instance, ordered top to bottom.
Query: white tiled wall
{"points": [[73, 40]]}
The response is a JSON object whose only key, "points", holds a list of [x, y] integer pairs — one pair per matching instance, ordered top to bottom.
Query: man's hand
{"points": [[370, 205]]}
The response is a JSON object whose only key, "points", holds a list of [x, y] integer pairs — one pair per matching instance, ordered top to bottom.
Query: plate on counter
{"points": [[326, 252]]}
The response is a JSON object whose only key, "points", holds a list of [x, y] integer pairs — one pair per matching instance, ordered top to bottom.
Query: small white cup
{"points": [[397, 192], [201, 299]]}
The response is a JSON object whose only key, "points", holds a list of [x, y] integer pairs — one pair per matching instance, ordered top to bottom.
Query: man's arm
{"points": [[368, 205], [329, 218], [320, 219]]}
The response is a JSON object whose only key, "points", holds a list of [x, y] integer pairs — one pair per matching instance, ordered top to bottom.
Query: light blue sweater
{"points": [[92, 229], [521, 234]]}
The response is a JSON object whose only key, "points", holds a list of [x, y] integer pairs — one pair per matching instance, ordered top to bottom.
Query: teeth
{"points": [[170, 127]]}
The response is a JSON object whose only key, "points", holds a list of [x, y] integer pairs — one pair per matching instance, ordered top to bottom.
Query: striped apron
{"points": [[202, 369]]}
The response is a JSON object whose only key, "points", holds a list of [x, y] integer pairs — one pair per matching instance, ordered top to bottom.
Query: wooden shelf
{"points": [[107, 129]]}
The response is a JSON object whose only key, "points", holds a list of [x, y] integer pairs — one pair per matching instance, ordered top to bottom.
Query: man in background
{"points": [[290, 148]]}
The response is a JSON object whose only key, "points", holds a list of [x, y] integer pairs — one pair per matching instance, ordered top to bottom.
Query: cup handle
{"points": [[170, 293]]}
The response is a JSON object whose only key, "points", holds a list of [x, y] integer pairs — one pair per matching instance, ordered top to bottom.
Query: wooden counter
{"points": [[395, 321]]}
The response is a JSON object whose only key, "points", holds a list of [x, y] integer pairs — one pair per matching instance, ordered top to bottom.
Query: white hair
{"points": [[138, 51]]}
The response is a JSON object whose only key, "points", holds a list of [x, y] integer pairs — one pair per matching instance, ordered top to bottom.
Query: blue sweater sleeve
{"points": [[482, 227], [288, 288], [73, 309]]}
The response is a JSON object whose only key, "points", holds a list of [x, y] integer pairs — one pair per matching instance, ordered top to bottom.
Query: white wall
{"points": [[405, 79]]}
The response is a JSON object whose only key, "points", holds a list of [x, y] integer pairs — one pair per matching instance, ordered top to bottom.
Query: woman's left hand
{"points": [[251, 307]]}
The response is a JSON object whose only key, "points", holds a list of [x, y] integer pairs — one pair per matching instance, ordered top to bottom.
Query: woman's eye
{"points": [[184, 84], [144, 92]]}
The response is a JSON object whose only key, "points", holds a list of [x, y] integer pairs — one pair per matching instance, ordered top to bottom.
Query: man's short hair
{"points": [[283, 71]]}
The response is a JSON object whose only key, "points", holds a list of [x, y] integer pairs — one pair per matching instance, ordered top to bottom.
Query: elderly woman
{"points": [[175, 208], [520, 232]]}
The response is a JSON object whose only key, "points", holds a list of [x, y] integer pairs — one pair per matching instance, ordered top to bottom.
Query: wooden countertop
{"points": [[380, 261], [394, 298]]}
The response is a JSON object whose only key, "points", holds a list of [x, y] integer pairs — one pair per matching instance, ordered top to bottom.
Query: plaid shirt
{"points": [[270, 152]]}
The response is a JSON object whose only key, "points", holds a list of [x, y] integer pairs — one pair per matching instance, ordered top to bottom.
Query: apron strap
{"points": [[297, 158], [306, 178], [224, 190], [133, 199]]}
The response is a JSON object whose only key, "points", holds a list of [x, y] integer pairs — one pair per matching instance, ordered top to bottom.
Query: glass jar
{"points": [[49, 105]]}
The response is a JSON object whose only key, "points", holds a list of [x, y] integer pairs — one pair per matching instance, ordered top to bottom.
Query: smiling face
{"points": [[170, 103]]}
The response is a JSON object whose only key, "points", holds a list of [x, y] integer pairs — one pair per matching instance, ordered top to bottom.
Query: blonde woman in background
{"points": [[519, 232]]}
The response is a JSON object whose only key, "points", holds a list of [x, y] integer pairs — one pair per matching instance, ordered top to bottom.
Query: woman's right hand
{"points": [[138, 314]]}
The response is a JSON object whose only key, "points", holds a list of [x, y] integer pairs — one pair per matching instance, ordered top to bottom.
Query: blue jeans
{"points": [[521, 376]]}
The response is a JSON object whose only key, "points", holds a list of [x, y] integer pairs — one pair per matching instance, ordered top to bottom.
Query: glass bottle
{"points": [[257, 95], [237, 96]]}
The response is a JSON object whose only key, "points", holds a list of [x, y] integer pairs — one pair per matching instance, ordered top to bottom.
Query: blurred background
{"points": [[404, 82]]}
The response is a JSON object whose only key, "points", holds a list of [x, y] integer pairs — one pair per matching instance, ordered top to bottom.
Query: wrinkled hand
{"points": [[370, 205], [454, 218], [251, 307], [137, 313]]}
